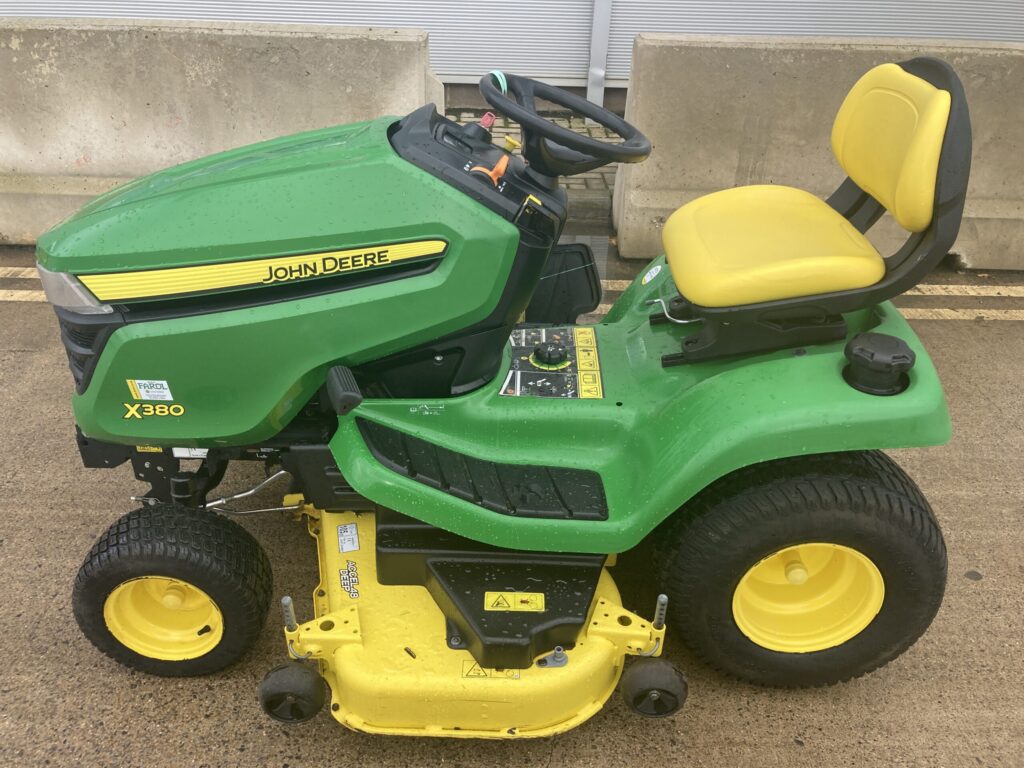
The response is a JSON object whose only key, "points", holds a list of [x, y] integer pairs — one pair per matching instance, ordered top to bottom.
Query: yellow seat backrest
{"points": [[888, 137]]}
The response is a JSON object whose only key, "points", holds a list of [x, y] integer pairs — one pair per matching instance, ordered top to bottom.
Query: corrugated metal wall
{"points": [[1001, 20], [548, 38], [551, 38]]}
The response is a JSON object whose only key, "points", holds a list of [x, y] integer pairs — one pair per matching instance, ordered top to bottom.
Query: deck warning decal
{"points": [[578, 377], [514, 601], [472, 669]]}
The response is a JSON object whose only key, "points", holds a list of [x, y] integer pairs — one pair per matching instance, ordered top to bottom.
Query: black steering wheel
{"points": [[549, 148]]}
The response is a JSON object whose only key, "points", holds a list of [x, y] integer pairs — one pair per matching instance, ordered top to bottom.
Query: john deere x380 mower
{"points": [[382, 314]]}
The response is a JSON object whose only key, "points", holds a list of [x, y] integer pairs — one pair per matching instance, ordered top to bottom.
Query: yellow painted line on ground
{"points": [[28, 273], [967, 290], [1016, 291], [22, 296], [914, 313]]}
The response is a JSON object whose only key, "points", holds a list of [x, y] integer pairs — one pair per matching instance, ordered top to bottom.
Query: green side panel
{"points": [[242, 375], [658, 436]]}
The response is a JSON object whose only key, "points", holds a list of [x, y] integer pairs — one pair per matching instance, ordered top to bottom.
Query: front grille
{"points": [[79, 335], [84, 337]]}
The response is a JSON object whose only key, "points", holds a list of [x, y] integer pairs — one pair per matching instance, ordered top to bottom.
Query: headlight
{"points": [[64, 290]]}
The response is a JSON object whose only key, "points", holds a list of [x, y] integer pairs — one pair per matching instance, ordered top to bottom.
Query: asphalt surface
{"points": [[955, 699]]}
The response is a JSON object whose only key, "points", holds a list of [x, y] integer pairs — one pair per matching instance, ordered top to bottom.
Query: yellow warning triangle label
{"points": [[514, 601], [474, 671]]}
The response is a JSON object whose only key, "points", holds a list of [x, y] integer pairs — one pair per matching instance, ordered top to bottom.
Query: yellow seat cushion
{"points": [[752, 244]]}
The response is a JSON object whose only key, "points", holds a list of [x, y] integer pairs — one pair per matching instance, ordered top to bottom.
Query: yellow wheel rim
{"points": [[808, 598], [163, 618]]}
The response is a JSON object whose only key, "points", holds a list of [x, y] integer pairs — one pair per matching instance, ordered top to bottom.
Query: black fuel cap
{"points": [[878, 363]]}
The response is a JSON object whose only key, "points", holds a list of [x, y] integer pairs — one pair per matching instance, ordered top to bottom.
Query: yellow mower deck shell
{"points": [[383, 651]]}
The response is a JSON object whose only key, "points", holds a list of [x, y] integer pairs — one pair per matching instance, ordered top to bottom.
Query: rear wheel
{"points": [[805, 571], [173, 591]]}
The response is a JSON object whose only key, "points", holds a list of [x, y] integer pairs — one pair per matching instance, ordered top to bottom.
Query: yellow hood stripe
{"points": [[119, 286]]}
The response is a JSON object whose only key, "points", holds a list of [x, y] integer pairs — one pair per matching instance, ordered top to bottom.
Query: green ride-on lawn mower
{"points": [[381, 313]]}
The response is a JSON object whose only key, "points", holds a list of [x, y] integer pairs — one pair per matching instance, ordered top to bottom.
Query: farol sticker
{"points": [[651, 274], [149, 389]]}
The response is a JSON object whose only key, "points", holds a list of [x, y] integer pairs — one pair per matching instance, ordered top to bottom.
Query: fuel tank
{"points": [[238, 279]]}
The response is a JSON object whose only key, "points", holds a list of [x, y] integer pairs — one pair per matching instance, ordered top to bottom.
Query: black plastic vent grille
{"points": [[83, 337], [525, 490]]}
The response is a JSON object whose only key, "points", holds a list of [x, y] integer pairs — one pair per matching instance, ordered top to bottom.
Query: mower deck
{"points": [[385, 653]]}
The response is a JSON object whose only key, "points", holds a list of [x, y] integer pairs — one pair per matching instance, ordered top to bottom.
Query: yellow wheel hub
{"points": [[808, 598], [163, 618]]}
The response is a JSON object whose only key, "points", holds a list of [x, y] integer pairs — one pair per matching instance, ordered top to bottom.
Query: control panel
{"points": [[558, 361]]}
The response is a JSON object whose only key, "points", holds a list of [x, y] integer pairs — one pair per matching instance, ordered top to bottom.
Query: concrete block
{"points": [[87, 104], [730, 111]]}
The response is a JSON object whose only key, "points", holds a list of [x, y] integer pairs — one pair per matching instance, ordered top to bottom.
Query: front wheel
{"points": [[805, 571], [173, 591]]}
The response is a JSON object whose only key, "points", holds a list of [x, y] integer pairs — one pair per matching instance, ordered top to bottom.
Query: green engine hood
{"points": [[275, 197]]}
